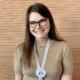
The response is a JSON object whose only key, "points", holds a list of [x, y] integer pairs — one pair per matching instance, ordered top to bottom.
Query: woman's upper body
{"points": [[39, 28], [58, 63]]}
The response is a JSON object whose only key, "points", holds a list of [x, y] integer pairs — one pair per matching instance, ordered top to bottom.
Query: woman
{"points": [[44, 55]]}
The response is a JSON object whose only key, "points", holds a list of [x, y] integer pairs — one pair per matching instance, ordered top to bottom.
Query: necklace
{"points": [[41, 72]]}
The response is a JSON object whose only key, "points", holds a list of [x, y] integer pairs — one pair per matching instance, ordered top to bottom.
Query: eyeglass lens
{"points": [[41, 22]]}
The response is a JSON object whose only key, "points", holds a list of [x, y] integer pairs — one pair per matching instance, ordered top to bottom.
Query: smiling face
{"points": [[39, 26]]}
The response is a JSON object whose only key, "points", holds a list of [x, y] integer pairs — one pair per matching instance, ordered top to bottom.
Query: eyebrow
{"points": [[38, 20]]}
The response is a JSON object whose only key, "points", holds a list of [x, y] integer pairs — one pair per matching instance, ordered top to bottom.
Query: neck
{"points": [[41, 38], [41, 42]]}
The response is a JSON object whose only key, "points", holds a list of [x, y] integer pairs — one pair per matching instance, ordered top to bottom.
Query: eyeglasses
{"points": [[41, 22]]}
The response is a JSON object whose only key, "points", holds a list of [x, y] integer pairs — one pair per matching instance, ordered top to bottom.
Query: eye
{"points": [[42, 20], [32, 22]]}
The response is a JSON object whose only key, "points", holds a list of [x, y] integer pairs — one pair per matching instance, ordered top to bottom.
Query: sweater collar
{"points": [[41, 42]]}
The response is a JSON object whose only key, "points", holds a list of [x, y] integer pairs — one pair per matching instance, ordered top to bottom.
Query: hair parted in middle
{"points": [[30, 39]]}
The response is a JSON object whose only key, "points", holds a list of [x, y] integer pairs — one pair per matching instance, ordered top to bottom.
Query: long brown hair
{"points": [[29, 38]]}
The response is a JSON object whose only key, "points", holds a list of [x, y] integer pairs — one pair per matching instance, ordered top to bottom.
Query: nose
{"points": [[38, 26]]}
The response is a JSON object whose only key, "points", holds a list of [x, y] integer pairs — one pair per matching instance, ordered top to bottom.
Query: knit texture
{"points": [[59, 61]]}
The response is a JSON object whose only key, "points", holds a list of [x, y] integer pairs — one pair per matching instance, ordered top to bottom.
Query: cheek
{"points": [[48, 25], [31, 30]]}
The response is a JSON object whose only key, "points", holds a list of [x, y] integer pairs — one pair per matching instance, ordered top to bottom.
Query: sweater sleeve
{"points": [[67, 60], [17, 65]]}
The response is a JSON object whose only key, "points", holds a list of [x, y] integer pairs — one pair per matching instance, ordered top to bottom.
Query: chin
{"points": [[40, 37]]}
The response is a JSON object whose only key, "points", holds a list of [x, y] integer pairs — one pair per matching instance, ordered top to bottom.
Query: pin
{"points": [[40, 72]]}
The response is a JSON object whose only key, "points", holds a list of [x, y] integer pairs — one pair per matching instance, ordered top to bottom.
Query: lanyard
{"points": [[40, 69]]}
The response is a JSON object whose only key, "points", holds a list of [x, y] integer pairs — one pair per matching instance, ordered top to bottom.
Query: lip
{"points": [[39, 31]]}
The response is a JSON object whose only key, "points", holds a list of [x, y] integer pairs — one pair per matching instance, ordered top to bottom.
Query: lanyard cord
{"points": [[45, 55]]}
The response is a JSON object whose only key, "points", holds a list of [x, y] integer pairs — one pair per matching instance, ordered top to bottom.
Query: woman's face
{"points": [[39, 26]]}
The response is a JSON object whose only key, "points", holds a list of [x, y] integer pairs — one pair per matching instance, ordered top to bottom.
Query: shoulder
{"points": [[59, 43], [19, 47], [19, 50]]}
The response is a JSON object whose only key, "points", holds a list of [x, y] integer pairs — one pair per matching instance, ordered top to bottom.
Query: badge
{"points": [[40, 72]]}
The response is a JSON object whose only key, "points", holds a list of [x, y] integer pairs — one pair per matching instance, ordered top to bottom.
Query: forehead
{"points": [[34, 16]]}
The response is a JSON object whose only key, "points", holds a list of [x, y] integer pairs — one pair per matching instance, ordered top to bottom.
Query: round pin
{"points": [[40, 72]]}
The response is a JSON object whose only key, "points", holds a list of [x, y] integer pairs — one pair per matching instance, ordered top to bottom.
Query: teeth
{"points": [[39, 31]]}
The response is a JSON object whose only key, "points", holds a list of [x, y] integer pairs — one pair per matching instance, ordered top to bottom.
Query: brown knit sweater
{"points": [[59, 61]]}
